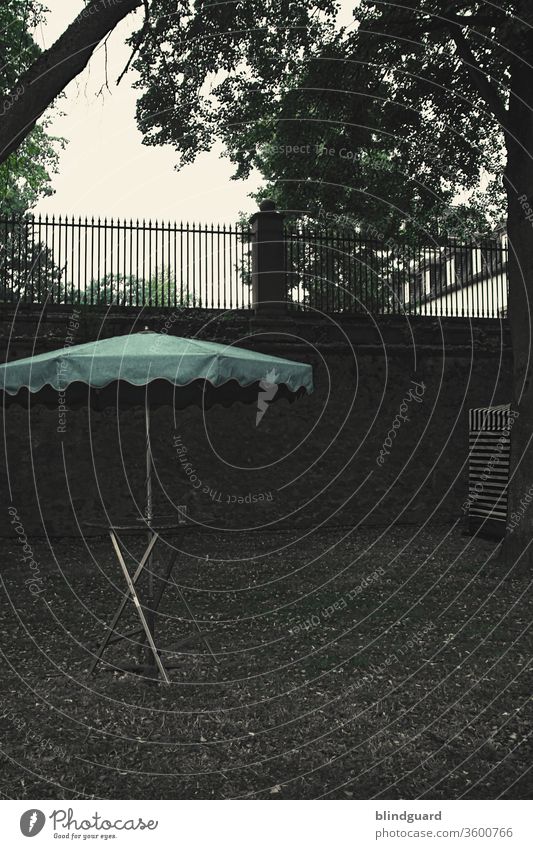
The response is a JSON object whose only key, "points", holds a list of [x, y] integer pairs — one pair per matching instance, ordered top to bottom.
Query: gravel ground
{"points": [[384, 663]]}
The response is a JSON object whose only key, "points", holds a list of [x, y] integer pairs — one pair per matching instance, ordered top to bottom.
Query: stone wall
{"points": [[383, 439]]}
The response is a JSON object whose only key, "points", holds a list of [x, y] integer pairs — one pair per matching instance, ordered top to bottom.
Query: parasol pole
{"points": [[149, 505], [150, 617]]}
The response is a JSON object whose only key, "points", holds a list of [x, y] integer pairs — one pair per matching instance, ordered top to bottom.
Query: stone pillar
{"points": [[269, 279]]}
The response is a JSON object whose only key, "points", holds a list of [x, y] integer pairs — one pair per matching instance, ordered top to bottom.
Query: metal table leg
{"points": [[140, 611], [111, 628]]}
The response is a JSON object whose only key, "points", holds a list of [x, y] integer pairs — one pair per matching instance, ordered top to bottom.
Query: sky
{"points": [[105, 169]]}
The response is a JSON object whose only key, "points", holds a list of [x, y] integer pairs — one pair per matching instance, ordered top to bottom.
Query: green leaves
{"points": [[17, 46], [200, 63], [388, 98], [25, 175]]}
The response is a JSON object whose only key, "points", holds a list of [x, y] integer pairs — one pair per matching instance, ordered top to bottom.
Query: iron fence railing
{"points": [[127, 263], [151, 264], [334, 272]]}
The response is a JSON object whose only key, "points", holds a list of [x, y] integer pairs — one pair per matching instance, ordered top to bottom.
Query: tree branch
{"points": [[454, 24], [139, 41], [51, 72], [479, 79]]}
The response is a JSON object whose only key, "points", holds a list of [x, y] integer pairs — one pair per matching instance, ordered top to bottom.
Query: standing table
{"points": [[146, 611]]}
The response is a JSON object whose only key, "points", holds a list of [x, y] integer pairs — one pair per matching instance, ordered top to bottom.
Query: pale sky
{"points": [[105, 170]]}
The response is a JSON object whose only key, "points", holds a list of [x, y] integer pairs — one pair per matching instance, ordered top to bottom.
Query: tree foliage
{"points": [[18, 20], [198, 56], [374, 124], [26, 174], [161, 289]]}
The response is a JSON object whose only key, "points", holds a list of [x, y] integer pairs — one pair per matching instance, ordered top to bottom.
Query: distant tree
{"points": [[27, 267], [160, 289]]}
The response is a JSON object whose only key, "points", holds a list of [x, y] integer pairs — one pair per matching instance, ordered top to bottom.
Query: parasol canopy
{"points": [[153, 368]]}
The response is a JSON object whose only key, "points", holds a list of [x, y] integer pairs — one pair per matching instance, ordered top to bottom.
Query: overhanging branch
{"points": [[454, 25], [138, 42], [52, 71], [479, 79]]}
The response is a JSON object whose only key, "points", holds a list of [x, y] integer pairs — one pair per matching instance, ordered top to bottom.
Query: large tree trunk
{"points": [[38, 87], [519, 187]]}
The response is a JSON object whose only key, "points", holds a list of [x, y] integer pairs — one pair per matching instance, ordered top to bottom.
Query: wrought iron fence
{"points": [[127, 263], [151, 264], [333, 273]]}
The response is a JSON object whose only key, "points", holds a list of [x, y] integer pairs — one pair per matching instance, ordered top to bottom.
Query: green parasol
{"points": [[149, 369]]}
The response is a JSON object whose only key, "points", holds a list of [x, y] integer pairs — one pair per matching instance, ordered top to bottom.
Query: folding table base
{"points": [[154, 665]]}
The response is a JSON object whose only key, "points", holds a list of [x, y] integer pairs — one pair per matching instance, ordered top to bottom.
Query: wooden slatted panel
{"points": [[490, 446]]}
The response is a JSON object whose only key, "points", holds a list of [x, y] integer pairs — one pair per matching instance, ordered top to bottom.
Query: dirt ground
{"points": [[383, 663]]}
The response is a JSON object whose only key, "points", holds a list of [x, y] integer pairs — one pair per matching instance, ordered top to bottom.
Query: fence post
{"points": [[269, 279]]}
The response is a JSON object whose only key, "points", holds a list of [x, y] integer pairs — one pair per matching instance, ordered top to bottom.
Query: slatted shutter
{"points": [[490, 446]]}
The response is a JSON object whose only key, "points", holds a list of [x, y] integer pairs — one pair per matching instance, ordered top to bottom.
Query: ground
{"points": [[376, 663]]}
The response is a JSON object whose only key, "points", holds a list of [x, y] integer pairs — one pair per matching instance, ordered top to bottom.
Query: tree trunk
{"points": [[41, 83], [519, 187]]}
